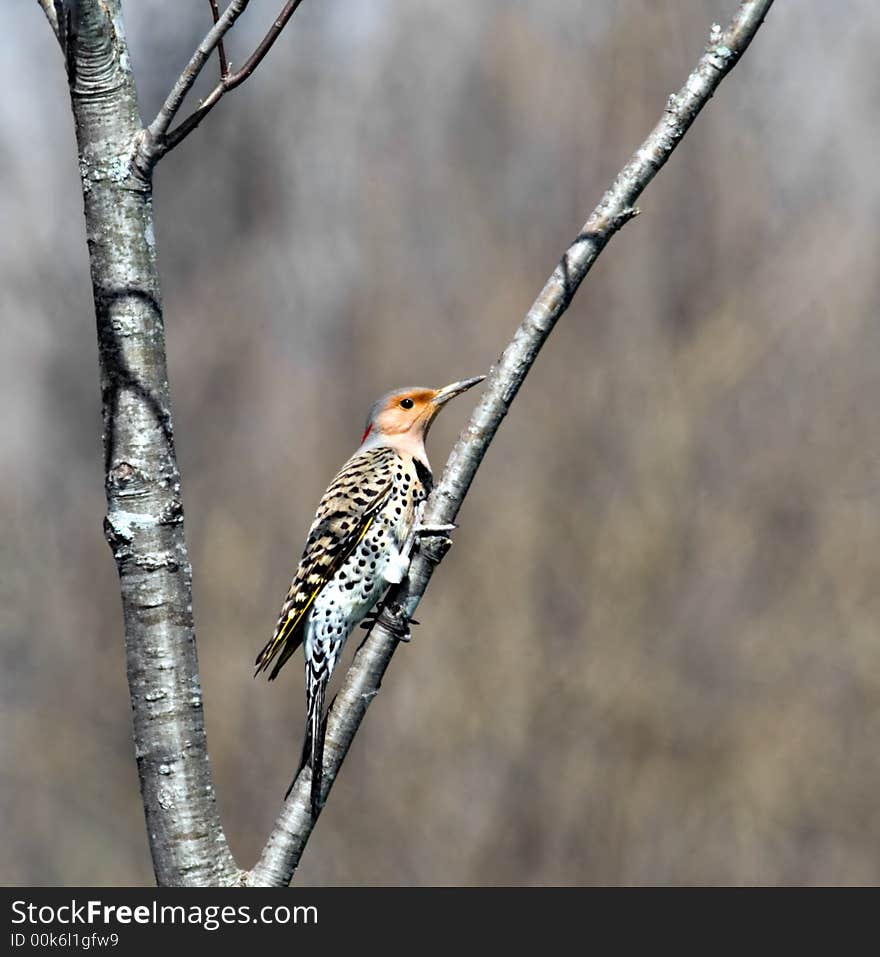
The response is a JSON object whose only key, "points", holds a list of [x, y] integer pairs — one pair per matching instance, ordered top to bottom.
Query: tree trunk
{"points": [[144, 523]]}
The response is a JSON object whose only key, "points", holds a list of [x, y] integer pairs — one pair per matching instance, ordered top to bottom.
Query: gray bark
{"points": [[144, 523], [293, 827]]}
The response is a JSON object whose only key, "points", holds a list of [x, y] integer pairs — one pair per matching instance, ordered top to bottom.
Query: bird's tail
{"points": [[313, 746]]}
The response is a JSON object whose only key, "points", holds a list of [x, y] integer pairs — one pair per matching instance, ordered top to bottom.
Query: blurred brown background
{"points": [[653, 653]]}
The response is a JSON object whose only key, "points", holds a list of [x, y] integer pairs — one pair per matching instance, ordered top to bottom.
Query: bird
{"points": [[360, 543]]}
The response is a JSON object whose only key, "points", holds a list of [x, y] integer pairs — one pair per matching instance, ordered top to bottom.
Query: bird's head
{"points": [[402, 418]]}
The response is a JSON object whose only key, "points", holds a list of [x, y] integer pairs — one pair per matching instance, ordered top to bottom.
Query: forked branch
{"points": [[160, 138], [294, 825]]}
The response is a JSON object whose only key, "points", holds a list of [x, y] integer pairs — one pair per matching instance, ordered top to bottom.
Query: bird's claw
{"points": [[432, 530], [433, 539], [435, 546], [398, 623], [401, 623]]}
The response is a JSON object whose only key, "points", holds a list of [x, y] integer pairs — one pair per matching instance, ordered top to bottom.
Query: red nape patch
{"points": [[364, 436]]}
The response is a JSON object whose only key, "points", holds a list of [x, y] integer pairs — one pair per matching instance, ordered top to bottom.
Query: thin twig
{"points": [[265, 45], [221, 52], [161, 141], [154, 143], [295, 823]]}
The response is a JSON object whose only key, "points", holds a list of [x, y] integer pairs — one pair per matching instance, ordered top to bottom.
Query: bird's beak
{"points": [[442, 396]]}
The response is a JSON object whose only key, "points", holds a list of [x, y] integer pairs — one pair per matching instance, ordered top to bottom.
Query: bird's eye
{"points": [[406, 403]]}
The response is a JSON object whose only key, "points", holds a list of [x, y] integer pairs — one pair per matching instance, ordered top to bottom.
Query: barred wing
{"points": [[345, 514]]}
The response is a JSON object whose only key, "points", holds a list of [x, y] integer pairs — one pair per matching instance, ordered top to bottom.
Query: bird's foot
{"points": [[434, 529], [433, 535], [434, 540], [370, 620], [396, 620]]}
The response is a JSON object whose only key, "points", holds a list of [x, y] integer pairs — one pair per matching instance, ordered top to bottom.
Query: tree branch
{"points": [[54, 10], [221, 52], [159, 140], [153, 146], [294, 824]]}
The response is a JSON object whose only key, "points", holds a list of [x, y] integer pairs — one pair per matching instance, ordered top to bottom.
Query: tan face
{"points": [[405, 411], [411, 411]]}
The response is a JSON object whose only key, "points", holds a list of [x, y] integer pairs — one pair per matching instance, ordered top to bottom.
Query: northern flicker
{"points": [[359, 543]]}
